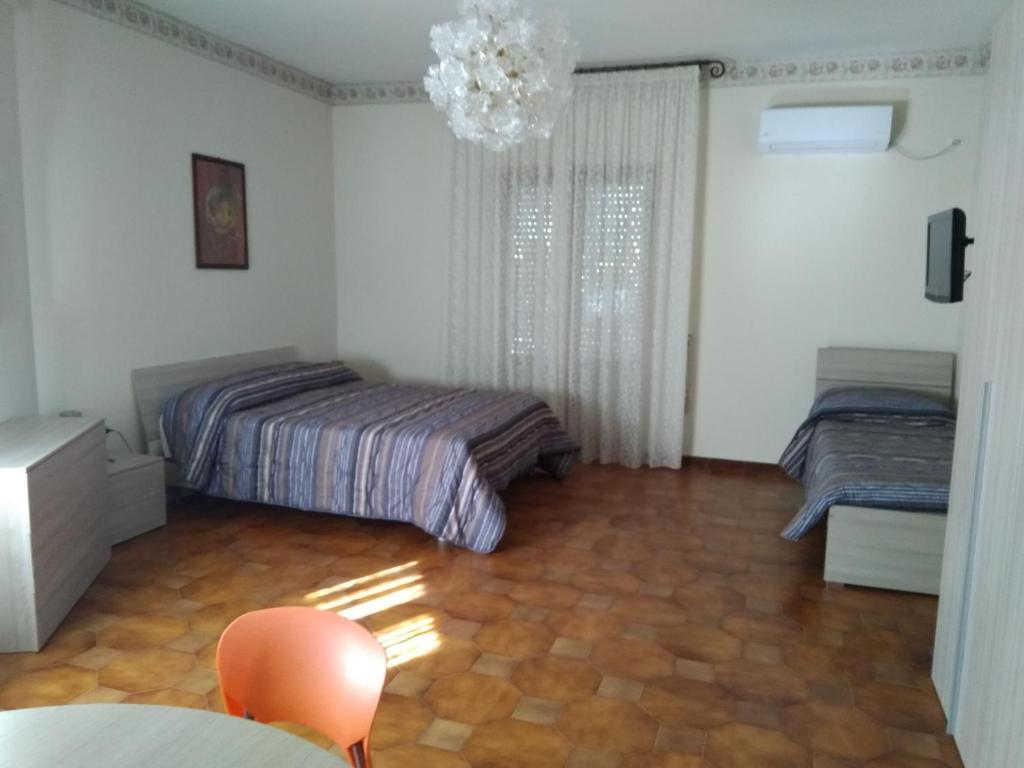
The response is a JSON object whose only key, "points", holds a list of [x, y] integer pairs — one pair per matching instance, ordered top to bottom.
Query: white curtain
{"points": [[571, 261]]}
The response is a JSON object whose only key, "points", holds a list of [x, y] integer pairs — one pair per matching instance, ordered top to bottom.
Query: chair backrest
{"points": [[305, 666]]}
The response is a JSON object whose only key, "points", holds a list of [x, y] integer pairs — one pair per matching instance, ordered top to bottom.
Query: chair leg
{"points": [[359, 755]]}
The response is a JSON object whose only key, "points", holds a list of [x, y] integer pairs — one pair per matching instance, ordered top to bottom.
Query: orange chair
{"points": [[304, 666]]}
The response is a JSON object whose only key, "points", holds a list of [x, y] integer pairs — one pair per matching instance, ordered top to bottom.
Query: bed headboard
{"points": [[930, 373], [155, 385]]}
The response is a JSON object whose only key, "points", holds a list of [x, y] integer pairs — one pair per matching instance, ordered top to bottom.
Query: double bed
{"points": [[267, 428], [875, 456]]}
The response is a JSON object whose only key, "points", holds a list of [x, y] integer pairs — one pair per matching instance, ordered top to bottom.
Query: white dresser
{"points": [[137, 495], [54, 531]]}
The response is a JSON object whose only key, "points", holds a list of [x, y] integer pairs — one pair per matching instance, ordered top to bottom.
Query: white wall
{"points": [[109, 119], [392, 169], [797, 251], [805, 251], [17, 367], [979, 667]]}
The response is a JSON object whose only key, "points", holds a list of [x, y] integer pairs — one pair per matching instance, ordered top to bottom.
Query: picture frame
{"points": [[219, 213]]}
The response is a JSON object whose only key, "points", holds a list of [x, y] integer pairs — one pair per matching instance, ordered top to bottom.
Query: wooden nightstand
{"points": [[137, 500]]}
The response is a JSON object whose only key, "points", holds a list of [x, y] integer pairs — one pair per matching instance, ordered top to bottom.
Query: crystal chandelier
{"points": [[503, 76]]}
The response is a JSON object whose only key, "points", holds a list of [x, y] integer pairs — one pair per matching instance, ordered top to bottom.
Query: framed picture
{"points": [[218, 203]]}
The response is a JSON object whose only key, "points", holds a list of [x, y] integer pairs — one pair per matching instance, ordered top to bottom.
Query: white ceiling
{"points": [[386, 40]]}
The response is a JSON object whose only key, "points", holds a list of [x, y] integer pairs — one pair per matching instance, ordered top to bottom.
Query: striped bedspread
{"points": [[317, 437], [871, 448]]}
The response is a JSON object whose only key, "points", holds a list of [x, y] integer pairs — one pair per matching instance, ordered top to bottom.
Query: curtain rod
{"points": [[715, 67]]}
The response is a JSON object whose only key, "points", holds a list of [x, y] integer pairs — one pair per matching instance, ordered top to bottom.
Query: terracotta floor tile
{"points": [[668, 574], [602, 581], [545, 594], [479, 606], [652, 611], [530, 613], [214, 618], [586, 624], [136, 633], [515, 638], [701, 643], [568, 646], [454, 654], [95, 658], [633, 659], [495, 666], [146, 670], [695, 670], [556, 677], [407, 683], [768, 683], [46, 687], [620, 688], [99, 696], [168, 697], [472, 698], [679, 701], [901, 707], [542, 711], [759, 714], [399, 720], [609, 725], [842, 732], [446, 734], [680, 739], [914, 743], [516, 744], [744, 746], [417, 755], [585, 758], [662, 760], [903, 761]]}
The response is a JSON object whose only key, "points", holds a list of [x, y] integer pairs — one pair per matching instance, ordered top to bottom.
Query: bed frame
{"points": [[155, 385], [886, 548]]}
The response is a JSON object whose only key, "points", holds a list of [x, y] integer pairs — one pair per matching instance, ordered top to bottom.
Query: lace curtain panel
{"points": [[571, 261]]}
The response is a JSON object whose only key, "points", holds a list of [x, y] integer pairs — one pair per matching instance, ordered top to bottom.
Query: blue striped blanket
{"points": [[317, 437], [871, 448]]}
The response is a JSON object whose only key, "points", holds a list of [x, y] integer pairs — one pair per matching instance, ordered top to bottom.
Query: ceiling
{"points": [[385, 40]]}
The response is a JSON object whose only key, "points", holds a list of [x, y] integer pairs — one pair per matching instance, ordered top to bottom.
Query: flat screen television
{"points": [[947, 243]]}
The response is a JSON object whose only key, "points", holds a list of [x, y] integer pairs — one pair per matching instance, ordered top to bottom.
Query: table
{"points": [[131, 735]]}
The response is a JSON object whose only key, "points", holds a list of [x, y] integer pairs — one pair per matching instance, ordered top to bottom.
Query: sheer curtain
{"points": [[571, 260]]}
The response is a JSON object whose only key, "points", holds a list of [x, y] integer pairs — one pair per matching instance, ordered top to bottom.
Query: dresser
{"points": [[54, 530]]}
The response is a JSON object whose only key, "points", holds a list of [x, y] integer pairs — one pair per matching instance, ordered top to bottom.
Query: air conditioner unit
{"points": [[826, 129]]}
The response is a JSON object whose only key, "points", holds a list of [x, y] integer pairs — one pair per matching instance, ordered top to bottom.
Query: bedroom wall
{"points": [[109, 119], [797, 251], [17, 367], [978, 666]]}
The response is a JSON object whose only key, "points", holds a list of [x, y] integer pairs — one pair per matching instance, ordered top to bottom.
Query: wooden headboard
{"points": [[930, 373], [155, 385]]}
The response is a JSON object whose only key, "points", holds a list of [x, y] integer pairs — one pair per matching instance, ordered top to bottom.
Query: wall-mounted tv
{"points": [[947, 243]]}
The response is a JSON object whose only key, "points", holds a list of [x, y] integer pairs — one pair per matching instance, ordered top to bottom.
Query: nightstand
{"points": [[136, 496]]}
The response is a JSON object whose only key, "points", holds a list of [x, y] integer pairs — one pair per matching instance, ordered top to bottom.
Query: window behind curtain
{"points": [[613, 219]]}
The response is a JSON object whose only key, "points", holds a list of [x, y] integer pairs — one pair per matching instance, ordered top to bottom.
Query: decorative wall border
{"points": [[134, 15], [180, 34]]}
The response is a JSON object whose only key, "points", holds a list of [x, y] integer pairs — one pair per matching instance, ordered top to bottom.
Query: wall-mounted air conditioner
{"points": [[826, 129]]}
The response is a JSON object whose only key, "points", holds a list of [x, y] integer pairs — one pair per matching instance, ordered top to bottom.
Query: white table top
{"points": [[132, 735]]}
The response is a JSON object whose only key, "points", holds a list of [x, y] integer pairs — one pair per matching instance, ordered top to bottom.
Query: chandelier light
{"points": [[503, 76]]}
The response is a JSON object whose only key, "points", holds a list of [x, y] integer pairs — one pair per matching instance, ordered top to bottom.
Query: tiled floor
{"points": [[631, 618]]}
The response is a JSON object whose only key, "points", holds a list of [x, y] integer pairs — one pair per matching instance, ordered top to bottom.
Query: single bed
{"points": [[267, 428], [875, 456]]}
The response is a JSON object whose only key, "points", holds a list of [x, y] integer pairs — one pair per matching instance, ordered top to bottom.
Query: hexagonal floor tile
{"points": [[545, 594], [479, 606], [585, 624], [145, 631], [514, 638], [701, 643], [453, 654], [633, 659], [138, 671], [556, 677], [768, 683], [46, 687], [472, 698], [683, 702], [906, 708], [399, 720], [610, 725], [842, 732], [516, 744], [744, 746]]}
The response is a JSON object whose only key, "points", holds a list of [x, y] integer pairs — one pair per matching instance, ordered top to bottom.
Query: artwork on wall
{"points": [[218, 201]]}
